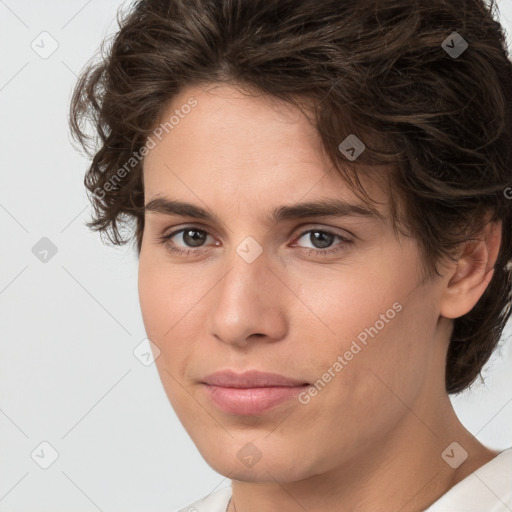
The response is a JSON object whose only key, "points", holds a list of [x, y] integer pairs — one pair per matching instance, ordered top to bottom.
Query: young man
{"points": [[321, 194]]}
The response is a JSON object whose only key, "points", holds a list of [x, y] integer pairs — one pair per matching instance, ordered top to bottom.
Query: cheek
{"points": [[166, 294], [154, 296], [170, 299], [348, 300], [161, 308], [164, 312], [376, 321]]}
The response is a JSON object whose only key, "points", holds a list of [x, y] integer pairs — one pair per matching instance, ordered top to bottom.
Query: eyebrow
{"points": [[321, 208]]}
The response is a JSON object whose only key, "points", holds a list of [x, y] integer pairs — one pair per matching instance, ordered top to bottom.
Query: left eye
{"points": [[323, 238]]}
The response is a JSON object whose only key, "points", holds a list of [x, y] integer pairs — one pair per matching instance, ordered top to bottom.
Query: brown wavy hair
{"points": [[439, 123]]}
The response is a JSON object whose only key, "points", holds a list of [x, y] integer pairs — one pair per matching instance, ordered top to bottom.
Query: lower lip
{"points": [[251, 401]]}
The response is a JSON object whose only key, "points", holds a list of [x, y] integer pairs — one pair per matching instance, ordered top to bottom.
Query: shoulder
{"points": [[488, 488], [214, 502]]}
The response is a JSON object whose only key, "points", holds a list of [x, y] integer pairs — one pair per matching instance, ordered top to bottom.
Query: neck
{"points": [[405, 472]]}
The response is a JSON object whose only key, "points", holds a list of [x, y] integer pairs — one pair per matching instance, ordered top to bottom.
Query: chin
{"points": [[252, 462]]}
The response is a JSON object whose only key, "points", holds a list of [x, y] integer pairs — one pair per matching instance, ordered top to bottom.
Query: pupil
{"points": [[199, 238], [323, 238]]}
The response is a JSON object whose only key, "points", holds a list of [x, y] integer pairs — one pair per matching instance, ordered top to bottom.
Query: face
{"points": [[333, 304]]}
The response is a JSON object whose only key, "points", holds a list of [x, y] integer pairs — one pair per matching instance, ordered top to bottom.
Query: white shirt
{"points": [[488, 489]]}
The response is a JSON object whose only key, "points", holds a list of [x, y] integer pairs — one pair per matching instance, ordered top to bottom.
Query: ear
{"points": [[473, 272]]}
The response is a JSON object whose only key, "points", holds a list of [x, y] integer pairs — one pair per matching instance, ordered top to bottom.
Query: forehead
{"points": [[238, 124], [237, 144]]}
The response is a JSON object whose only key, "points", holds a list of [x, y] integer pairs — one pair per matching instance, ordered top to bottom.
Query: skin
{"points": [[372, 438]]}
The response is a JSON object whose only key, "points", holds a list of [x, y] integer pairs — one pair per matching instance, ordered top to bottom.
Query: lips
{"points": [[250, 379], [251, 392]]}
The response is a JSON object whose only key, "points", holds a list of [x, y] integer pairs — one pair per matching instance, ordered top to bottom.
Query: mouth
{"points": [[250, 393]]}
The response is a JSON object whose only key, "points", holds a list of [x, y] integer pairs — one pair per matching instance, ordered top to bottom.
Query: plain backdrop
{"points": [[69, 311]]}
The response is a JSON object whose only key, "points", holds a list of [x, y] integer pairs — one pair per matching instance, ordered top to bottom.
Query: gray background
{"points": [[69, 326]]}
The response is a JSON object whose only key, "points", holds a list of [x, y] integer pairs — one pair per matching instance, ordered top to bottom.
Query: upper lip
{"points": [[250, 379]]}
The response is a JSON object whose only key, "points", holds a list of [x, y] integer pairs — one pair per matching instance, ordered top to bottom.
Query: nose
{"points": [[249, 303]]}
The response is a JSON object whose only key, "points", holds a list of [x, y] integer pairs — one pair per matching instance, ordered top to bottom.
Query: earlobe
{"points": [[473, 273]]}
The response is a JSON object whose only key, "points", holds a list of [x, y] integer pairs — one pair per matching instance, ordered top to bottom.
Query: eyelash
{"points": [[164, 239]]}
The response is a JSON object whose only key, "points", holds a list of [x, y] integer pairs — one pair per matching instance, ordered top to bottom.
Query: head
{"points": [[241, 111]]}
